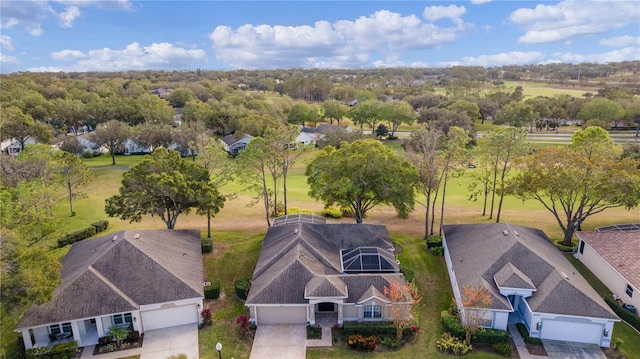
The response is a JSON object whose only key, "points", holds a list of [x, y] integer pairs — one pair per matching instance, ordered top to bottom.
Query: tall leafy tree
{"points": [[601, 109], [334, 111], [369, 112], [397, 113], [516, 114], [20, 126], [111, 134], [499, 148], [422, 149], [453, 154], [255, 164], [74, 173], [362, 175], [578, 181], [164, 185]]}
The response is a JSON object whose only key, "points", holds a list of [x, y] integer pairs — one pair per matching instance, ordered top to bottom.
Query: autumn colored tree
{"points": [[404, 297], [475, 301]]}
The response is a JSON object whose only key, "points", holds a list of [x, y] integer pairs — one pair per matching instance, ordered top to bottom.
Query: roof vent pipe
{"points": [[505, 232]]}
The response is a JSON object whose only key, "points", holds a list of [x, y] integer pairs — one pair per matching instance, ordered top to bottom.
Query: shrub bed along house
{"points": [[434, 241], [624, 314], [522, 329], [481, 336], [359, 342], [67, 350]]}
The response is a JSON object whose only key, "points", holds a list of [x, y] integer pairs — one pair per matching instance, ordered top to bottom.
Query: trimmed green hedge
{"points": [[100, 225], [96, 227], [77, 236], [434, 241], [207, 245], [564, 248], [409, 274], [242, 285], [212, 291], [624, 314], [369, 328], [522, 329], [483, 335]]}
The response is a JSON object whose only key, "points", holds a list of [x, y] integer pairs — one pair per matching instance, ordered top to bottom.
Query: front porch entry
{"points": [[325, 314]]}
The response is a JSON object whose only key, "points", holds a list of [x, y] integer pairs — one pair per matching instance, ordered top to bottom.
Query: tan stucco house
{"points": [[614, 257], [308, 267], [148, 279], [528, 280]]}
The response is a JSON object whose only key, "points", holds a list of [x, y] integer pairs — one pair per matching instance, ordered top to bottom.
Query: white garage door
{"points": [[282, 315], [169, 317], [571, 331]]}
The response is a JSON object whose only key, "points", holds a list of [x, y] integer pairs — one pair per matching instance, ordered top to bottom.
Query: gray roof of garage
{"points": [[480, 252], [300, 256], [121, 271]]}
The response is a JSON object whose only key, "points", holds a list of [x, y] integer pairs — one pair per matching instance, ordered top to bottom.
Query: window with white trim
{"points": [[629, 291], [373, 311], [122, 319], [60, 328]]}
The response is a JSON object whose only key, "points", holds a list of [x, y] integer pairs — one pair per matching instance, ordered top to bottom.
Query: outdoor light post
{"points": [[219, 349]]}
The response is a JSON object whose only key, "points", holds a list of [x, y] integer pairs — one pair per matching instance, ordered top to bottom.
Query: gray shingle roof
{"points": [[621, 249], [480, 251], [301, 256], [102, 276], [511, 277]]}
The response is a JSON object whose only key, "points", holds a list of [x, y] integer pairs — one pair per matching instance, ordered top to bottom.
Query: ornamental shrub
{"points": [[295, 210], [331, 212], [100, 225], [77, 236], [434, 241], [207, 245], [439, 251], [409, 274], [242, 285], [212, 291], [624, 314], [369, 328], [522, 329], [362, 343], [451, 344], [503, 349]]}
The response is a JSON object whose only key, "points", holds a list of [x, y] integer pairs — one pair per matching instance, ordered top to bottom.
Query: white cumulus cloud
{"points": [[435, 13], [67, 17], [569, 19], [621, 41], [6, 43], [344, 43], [624, 54], [133, 57], [501, 59], [8, 60]]}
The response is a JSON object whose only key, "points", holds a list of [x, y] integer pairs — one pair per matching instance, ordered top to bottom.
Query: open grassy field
{"points": [[533, 89]]}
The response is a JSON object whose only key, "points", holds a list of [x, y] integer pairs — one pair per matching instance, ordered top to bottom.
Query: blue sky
{"points": [[121, 35]]}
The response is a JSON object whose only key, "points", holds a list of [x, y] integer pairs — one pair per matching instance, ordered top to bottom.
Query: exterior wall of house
{"points": [[305, 138], [452, 275], [608, 275], [349, 312]]}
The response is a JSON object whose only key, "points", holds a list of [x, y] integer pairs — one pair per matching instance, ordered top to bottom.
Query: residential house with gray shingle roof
{"points": [[614, 257], [308, 267], [147, 279], [528, 280]]}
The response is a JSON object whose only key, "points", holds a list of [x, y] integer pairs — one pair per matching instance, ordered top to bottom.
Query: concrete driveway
{"points": [[281, 341], [162, 343], [569, 350]]}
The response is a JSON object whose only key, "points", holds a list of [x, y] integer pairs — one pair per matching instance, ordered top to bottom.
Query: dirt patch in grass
{"points": [[613, 353]]}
